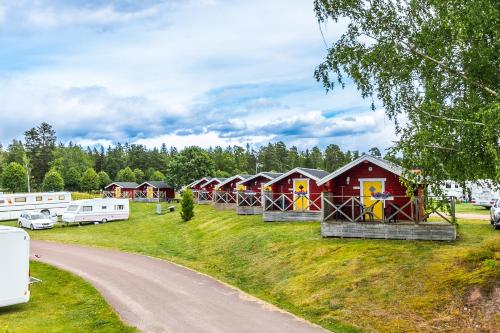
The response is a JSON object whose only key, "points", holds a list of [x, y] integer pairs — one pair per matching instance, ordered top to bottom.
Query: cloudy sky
{"points": [[204, 72]]}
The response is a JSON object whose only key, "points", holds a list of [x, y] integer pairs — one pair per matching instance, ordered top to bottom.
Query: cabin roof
{"points": [[384, 164], [315, 174], [268, 175], [235, 177], [218, 180], [124, 184], [155, 184]]}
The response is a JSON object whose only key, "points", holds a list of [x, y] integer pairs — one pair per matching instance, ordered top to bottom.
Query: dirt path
{"points": [[473, 216], [158, 296]]}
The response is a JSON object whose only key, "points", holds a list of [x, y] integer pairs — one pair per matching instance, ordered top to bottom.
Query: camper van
{"points": [[483, 193], [12, 205], [96, 210], [14, 261]]}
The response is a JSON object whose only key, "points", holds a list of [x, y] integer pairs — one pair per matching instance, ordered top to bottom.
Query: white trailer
{"points": [[12, 205], [96, 210], [14, 266]]}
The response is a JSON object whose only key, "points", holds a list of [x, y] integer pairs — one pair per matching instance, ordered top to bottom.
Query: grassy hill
{"points": [[345, 285], [61, 303]]}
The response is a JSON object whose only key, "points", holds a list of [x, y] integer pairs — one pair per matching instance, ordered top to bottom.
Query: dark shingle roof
{"points": [[315, 172], [272, 175], [124, 184], [156, 184]]}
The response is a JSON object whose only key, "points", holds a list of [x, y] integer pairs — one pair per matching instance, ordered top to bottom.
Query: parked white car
{"points": [[495, 214], [34, 220]]}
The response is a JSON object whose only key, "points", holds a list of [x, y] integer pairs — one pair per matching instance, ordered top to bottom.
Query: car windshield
{"points": [[72, 208], [37, 217]]}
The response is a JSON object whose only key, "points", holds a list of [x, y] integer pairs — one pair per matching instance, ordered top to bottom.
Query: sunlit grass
{"points": [[346, 285], [61, 303]]}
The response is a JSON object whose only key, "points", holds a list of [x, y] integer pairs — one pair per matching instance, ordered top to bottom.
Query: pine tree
{"points": [[187, 205]]}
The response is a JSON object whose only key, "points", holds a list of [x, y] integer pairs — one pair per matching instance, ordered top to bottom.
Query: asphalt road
{"points": [[158, 296]]}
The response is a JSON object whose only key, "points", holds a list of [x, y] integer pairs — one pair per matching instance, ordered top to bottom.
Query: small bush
{"points": [[187, 205]]}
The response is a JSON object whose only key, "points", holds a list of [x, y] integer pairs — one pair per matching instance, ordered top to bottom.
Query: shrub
{"points": [[14, 178], [53, 181], [187, 205]]}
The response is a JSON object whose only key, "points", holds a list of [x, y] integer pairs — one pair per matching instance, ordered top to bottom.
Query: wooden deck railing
{"points": [[111, 194], [202, 195], [224, 197], [248, 199], [288, 201], [416, 209]]}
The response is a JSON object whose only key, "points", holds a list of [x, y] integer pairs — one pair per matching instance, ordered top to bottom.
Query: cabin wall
{"points": [[255, 184], [285, 186], [339, 186], [229, 187], [125, 191]]}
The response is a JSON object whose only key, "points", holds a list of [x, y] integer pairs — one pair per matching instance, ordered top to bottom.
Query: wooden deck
{"points": [[225, 205], [249, 210], [290, 216], [405, 230]]}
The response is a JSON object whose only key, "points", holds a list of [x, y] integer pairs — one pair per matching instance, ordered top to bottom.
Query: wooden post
{"points": [[322, 206], [452, 210]]}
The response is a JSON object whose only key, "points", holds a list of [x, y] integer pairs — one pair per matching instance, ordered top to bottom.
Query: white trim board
{"points": [[368, 158]]}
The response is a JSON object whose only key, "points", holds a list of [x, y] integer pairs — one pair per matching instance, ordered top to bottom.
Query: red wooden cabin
{"points": [[364, 180], [120, 190], [154, 191], [226, 192], [205, 194], [249, 196], [294, 196], [366, 198]]}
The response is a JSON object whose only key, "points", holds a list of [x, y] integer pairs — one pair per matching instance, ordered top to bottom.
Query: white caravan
{"points": [[484, 193], [12, 205], [96, 210], [14, 266]]}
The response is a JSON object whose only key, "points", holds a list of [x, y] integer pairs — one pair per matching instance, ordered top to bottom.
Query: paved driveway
{"points": [[158, 296]]}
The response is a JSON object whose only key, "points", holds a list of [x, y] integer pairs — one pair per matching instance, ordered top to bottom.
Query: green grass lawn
{"points": [[469, 208], [345, 285], [62, 302]]}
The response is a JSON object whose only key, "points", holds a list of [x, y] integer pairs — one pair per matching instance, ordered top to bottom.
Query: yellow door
{"points": [[370, 187], [118, 192], [149, 192], [300, 194]]}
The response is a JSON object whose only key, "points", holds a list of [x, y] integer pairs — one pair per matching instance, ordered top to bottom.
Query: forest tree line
{"points": [[56, 166]]}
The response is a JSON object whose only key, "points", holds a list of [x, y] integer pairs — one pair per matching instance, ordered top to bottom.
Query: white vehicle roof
{"points": [[32, 193], [97, 201], [9, 230]]}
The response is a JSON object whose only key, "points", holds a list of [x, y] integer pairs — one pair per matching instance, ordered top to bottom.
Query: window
{"points": [[448, 185], [456, 185], [62, 197], [38, 198], [20, 199], [2, 201], [104, 207], [119, 207], [72, 208], [86, 208]]}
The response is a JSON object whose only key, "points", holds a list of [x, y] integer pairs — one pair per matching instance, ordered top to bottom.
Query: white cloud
{"points": [[172, 67]]}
